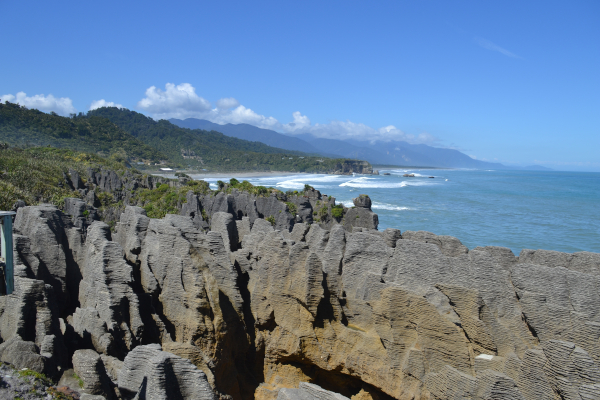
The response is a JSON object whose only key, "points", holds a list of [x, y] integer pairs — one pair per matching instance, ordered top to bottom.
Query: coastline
{"points": [[244, 174]]}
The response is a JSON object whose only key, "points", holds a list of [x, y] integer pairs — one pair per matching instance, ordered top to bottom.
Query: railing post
{"points": [[7, 249]]}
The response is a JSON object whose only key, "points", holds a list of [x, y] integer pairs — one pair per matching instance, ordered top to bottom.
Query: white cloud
{"points": [[486, 44], [181, 101], [103, 103], [227, 103], [62, 105], [242, 115], [300, 123]]}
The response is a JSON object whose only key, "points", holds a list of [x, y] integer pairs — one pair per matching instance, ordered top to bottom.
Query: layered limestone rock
{"points": [[252, 309], [152, 374]]}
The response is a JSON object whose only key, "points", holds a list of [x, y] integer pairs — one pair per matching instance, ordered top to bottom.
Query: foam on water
{"points": [[297, 182], [372, 183], [378, 183], [347, 203], [390, 207]]}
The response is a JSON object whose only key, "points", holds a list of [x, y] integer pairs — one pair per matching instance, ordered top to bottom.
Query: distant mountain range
{"points": [[381, 153]]}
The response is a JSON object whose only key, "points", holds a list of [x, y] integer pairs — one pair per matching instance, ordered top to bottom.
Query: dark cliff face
{"points": [[349, 167], [221, 300]]}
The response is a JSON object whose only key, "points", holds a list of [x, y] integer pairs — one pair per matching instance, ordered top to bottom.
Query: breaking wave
{"points": [[372, 183], [390, 207]]}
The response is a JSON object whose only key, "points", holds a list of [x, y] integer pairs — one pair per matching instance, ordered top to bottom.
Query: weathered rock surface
{"points": [[252, 309], [23, 354], [89, 367], [150, 373], [308, 391]]}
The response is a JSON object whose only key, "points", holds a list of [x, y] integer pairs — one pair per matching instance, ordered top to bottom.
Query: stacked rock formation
{"points": [[310, 206], [161, 308]]}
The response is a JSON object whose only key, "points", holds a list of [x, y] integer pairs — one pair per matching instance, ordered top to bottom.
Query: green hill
{"points": [[22, 127], [125, 135], [197, 148]]}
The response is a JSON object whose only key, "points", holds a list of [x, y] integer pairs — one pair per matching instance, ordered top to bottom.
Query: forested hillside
{"points": [[23, 127], [129, 136], [197, 148]]}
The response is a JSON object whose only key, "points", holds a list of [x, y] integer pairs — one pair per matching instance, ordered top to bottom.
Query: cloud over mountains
{"points": [[181, 102], [62, 106]]}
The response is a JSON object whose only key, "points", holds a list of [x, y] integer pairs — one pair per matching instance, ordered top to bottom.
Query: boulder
{"points": [[362, 201], [360, 217], [23, 354], [88, 365], [150, 373]]}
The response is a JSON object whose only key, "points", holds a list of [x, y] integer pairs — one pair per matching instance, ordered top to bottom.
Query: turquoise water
{"points": [[515, 209]]}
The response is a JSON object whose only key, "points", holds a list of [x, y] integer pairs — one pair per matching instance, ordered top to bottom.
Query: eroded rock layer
{"points": [[251, 310]]}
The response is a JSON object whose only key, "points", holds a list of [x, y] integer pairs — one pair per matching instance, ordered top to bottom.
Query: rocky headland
{"points": [[242, 294]]}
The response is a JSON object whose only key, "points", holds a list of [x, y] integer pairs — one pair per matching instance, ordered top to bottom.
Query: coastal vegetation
{"points": [[22, 127], [140, 141], [37, 175], [40, 175]]}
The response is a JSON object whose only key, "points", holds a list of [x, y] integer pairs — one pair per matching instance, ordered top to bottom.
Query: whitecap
{"points": [[316, 181], [372, 183], [347, 203], [390, 207]]}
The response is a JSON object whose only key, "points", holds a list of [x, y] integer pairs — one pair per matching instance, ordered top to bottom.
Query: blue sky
{"points": [[512, 81]]}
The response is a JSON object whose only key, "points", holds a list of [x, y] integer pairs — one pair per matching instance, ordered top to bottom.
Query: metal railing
{"points": [[6, 230]]}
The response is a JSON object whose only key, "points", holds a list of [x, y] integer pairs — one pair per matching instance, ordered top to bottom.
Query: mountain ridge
{"points": [[398, 153]]}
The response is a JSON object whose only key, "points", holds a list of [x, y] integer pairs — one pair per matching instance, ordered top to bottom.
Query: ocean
{"points": [[515, 209]]}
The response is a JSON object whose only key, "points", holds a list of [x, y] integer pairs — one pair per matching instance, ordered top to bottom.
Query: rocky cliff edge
{"points": [[163, 308]]}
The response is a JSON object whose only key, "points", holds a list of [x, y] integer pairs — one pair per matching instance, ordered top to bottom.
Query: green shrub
{"points": [[199, 187], [307, 187], [261, 191], [292, 207], [337, 211], [271, 219], [36, 375], [79, 380]]}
